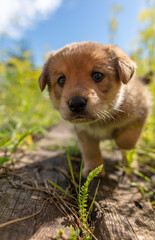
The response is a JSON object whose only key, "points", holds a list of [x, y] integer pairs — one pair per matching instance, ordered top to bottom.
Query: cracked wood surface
{"points": [[119, 210]]}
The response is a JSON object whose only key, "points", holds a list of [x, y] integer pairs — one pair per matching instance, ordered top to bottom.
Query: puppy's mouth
{"points": [[82, 118]]}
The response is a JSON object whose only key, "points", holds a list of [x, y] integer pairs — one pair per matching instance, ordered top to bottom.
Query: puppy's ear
{"points": [[125, 66], [43, 79]]}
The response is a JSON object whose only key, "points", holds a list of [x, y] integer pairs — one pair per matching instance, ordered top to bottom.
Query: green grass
{"points": [[24, 110]]}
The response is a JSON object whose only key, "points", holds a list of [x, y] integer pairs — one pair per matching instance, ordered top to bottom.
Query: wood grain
{"points": [[119, 210]]}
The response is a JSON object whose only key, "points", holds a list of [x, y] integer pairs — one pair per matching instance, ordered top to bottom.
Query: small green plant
{"points": [[10, 144], [130, 157], [144, 190], [83, 195], [81, 200], [60, 234], [74, 234]]}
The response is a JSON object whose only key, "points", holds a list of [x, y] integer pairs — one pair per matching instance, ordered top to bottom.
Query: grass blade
{"points": [[21, 138], [3, 142], [4, 159], [71, 171], [80, 175], [142, 176], [61, 189], [92, 203]]}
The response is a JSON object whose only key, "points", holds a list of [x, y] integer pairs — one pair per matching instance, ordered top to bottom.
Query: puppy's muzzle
{"points": [[77, 104]]}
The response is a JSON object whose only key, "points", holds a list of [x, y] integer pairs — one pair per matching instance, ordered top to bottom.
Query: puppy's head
{"points": [[85, 80]]}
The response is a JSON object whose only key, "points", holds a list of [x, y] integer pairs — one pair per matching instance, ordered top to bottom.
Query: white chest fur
{"points": [[98, 131]]}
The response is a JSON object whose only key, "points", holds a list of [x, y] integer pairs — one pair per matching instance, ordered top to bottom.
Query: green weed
{"points": [[81, 199], [74, 234]]}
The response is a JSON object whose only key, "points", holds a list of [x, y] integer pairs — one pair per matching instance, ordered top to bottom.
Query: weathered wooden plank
{"points": [[20, 203], [116, 214], [117, 217], [120, 218]]}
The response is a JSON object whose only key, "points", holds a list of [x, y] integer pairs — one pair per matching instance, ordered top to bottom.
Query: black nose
{"points": [[77, 104]]}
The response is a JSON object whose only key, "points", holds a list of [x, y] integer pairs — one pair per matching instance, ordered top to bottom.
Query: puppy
{"points": [[93, 86]]}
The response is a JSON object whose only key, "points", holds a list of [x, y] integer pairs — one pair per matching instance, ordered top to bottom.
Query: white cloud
{"points": [[18, 15]]}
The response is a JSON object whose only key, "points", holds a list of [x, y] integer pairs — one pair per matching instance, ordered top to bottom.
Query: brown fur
{"points": [[117, 106]]}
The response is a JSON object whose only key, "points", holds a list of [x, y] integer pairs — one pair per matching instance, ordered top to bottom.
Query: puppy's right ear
{"points": [[43, 79]]}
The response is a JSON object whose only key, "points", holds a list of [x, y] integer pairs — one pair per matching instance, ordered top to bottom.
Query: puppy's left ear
{"points": [[125, 66]]}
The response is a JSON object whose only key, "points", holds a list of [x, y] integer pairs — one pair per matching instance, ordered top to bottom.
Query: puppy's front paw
{"points": [[87, 170]]}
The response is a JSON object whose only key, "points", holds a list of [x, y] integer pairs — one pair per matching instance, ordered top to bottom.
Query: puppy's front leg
{"points": [[129, 136], [91, 153]]}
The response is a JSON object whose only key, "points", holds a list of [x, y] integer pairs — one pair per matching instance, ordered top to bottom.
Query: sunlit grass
{"points": [[24, 110]]}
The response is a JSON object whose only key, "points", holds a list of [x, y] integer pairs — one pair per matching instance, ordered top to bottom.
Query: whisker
{"points": [[118, 110], [115, 113], [105, 114], [108, 114], [102, 115]]}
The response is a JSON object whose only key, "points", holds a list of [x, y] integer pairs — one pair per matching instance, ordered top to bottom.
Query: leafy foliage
{"points": [[113, 22], [144, 55], [23, 109], [74, 233]]}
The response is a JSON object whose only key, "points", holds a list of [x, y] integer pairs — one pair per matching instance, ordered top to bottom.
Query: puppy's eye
{"points": [[97, 76], [61, 81]]}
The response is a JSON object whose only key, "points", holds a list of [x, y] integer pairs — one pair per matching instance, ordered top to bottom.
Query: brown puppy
{"points": [[93, 86]]}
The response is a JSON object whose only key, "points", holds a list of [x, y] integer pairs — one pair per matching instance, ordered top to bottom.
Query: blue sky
{"points": [[50, 24]]}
